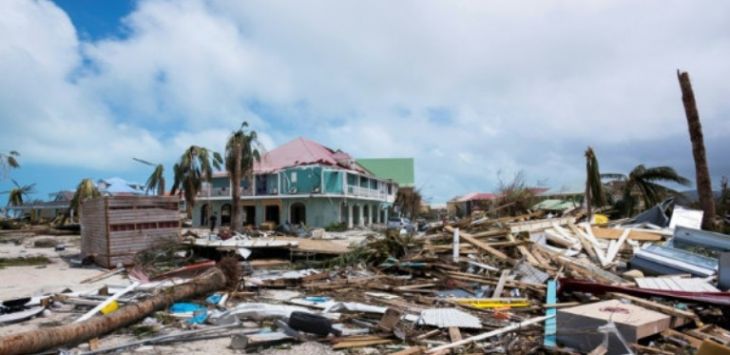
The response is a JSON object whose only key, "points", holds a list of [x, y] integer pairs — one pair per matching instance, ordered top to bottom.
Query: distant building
{"points": [[400, 170], [301, 181], [57, 204], [463, 206]]}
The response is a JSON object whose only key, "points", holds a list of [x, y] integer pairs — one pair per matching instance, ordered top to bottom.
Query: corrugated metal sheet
{"points": [[676, 284], [448, 317]]}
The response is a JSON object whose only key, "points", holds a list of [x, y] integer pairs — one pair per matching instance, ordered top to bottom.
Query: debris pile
{"points": [[519, 285]]}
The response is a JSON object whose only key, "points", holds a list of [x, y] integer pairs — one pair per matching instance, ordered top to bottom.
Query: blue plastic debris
{"points": [[214, 298], [199, 313]]}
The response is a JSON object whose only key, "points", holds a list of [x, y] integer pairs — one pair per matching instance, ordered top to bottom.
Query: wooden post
{"points": [[702, 171]]}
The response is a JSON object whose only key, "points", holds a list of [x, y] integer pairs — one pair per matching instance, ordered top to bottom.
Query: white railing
{"points": [[359, 191], [214, 192]]}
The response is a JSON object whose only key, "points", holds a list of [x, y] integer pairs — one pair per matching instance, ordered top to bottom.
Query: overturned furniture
{"points": [[114, 229]]}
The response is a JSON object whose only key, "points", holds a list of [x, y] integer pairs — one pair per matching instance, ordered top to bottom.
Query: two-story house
{"points": [[301, 182]]}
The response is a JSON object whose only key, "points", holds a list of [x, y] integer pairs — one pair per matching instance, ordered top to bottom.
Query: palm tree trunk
{"points": [[702, 171], [161, 187], [588, 201], [236, 223], [41, 339]]}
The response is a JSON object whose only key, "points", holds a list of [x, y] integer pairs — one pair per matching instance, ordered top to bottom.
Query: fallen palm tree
{"points": [[47, 338]]}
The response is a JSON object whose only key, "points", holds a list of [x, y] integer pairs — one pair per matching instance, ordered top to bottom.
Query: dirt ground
{"points": [[60, 274]]}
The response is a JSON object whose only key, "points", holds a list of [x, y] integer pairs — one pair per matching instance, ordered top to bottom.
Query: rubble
{"points": [[519, 284]]}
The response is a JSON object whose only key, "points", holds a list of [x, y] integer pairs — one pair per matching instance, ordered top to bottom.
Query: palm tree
{"points": [[241, 152], [8, 161], [196, 165], [702, 171], [156, 181], [644, 183], [594, 188], [85, 190], [17, 194], [409, 201]]}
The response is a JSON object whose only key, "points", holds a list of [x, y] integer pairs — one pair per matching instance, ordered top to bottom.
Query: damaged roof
{"points": [[302, 151]]}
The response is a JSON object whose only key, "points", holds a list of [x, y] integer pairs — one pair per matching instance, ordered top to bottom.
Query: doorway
{"points": [[204, 213], [271, 213], [298, 213], [226, 215], [249, 218]]}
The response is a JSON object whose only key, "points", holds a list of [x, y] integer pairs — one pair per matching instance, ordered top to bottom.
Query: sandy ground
{"points": [[24, 281]]}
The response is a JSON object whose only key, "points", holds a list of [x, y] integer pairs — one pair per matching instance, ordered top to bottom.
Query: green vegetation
{"points": [[242, 150], [196, 165], [156, 181], [641, 186], [336, 227], [24, 261]]}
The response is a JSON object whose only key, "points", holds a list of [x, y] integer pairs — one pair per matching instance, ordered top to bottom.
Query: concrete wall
{"points": [[319, 211]]}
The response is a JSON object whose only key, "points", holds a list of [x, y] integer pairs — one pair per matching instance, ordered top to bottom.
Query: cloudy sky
{"points": [[473, 90]]}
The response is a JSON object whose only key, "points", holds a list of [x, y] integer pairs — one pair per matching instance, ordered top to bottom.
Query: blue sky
{"points": [[474, 91]]}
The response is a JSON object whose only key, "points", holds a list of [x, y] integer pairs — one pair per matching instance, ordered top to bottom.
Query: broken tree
{"points": [[47, 338]]}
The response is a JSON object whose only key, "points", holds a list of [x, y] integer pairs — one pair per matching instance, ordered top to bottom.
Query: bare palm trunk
{"points": [[702, 171], [161, 187], [189, 193], [589, 212], [236, 222], [41, 339]]}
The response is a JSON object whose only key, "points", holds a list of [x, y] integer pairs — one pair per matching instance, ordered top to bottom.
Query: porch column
{"points": [[349, 215], [362, 216]]}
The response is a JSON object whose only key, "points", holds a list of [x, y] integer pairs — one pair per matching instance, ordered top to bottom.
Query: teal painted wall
{"points": [[303, 180], [219, 182], [333, 182], [266, 184], [320, 212]]}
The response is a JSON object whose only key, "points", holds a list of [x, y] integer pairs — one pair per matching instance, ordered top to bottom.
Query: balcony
{"points": [[359, 191], [214, 192]]}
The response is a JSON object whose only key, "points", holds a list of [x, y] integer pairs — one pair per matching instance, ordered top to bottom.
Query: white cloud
{"points": [[519, 86]]}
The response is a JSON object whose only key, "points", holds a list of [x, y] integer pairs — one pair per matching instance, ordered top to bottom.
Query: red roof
{"points": [[302, 151], [477, 196]]}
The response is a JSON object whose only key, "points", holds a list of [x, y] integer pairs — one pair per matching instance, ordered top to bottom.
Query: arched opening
{"points": [[298, 213], [204, 214], [226, 214]]}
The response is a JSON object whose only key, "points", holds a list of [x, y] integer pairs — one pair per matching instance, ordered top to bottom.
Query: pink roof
{"points": [[302, 151], [477, 196]]}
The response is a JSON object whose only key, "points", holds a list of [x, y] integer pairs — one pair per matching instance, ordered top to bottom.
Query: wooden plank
{"points": [[615, 234], [481, 245], [525, 252], [500, 284], [454, 334], [692, 341], [413, 350]]}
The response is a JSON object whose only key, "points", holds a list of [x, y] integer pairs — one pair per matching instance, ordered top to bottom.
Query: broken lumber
{"points": [[481, 245], [486, 335], [41, 339]]}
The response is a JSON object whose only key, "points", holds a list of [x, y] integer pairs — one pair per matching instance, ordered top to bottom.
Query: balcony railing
{"points": [[350, 190], [215, 192], [365, 192]]}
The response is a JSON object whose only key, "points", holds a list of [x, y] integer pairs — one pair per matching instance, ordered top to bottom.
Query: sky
{"points": [[475, 91]]}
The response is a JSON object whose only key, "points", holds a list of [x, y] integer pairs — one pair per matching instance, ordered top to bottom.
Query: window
{"points": [[293, 177]]}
